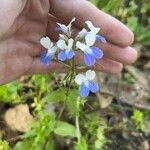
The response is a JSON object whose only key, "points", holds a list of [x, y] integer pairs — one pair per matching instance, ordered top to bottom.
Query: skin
{"points": [[24, 22]]}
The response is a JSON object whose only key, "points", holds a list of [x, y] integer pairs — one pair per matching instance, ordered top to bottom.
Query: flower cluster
{"points": [[66, 48]]}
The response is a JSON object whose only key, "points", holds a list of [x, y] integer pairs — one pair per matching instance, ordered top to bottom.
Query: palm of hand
{"points": [[19, 42], [20, 46]]}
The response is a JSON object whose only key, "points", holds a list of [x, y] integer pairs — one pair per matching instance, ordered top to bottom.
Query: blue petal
{"points": [[59, 29], [100, 38], [97, 53], [70, 54], [62, 56], [45, 58], [89, 59], [93, 87], [84, 91]]}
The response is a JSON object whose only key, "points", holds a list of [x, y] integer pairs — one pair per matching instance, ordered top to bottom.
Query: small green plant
{"points": [[129, 78], [71, 91], [9, 92], [138, 119], [43, 131], [101, 139], [4, 145], [82, 145]]}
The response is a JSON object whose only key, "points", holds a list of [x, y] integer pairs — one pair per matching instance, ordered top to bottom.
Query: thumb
{"points": [[9, 11]]}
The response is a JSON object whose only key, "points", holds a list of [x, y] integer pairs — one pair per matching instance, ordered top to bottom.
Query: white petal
{"points": [[72, 21], [89, 24], [69, 26], [63, 27], [93, 29], [82, 33], [62, 36], [90, 39], [46, 42], [70, 43], [61, 44], [81, 46], [52, 50], [90, 75], [79, 79]]}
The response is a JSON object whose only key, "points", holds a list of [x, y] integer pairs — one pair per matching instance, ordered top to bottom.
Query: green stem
{"points": [[70, 78], [61, 112], [77, 125], [78, 129]]}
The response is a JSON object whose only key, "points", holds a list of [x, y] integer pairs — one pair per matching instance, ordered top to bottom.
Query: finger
{"points": [[9, 12], [51, 27], [111, 28], [126, 55], [104, 65], [108, 66], [38, 68]]}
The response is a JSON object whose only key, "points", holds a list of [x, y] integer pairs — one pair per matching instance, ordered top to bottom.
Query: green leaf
{"points": [[9, 92], [56, 96], [65, 129], [4, 145], [23, 145], [50, 145], [82, 145]]}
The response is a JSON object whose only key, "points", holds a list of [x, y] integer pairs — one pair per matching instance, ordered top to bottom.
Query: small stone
{"points": [[18, 118]]}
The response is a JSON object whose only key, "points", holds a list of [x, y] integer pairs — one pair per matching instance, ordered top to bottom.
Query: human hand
{"points": [[25, 22]]}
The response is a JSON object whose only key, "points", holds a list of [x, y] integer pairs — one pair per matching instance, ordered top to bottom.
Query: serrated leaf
{"points": [[57, 95]]}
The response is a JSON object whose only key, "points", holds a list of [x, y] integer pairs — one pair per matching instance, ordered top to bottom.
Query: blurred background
{"points": [[123, 104]]}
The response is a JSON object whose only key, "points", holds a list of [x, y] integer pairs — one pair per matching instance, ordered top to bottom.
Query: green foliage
{"points": [[108, 5], [134, 14], [139, 26], [129, 78], [41, 82], [9, 92], [68, 97], [138, 119], [92, 123], [65, 129], [95, 132], [41, 134], [101, 139], [4, 145], [82, 145]]}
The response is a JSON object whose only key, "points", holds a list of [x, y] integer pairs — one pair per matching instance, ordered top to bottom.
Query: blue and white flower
{"points": [[66, 29], [93, 31], [50, 50], [67, 51], [91, 54], [86, 83]]}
